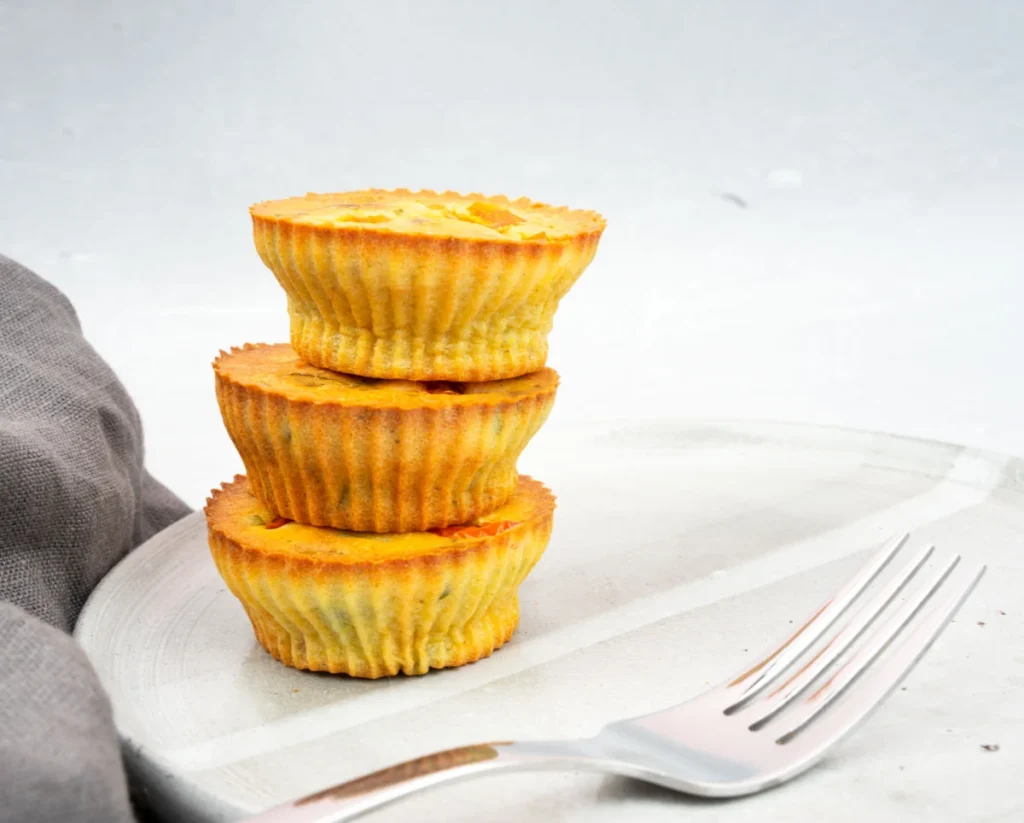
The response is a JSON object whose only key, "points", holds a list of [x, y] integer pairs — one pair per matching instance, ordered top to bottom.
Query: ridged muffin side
{"points": [[388, 304], [377, 463], [424, 602]]}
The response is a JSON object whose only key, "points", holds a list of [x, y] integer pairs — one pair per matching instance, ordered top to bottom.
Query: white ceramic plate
{"points": [[677, 548]]}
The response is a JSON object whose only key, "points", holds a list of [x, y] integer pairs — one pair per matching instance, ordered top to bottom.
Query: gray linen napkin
{"points": [[74, 499]]}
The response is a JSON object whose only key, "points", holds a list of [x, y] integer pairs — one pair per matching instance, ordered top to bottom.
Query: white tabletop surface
{"points": [[873, 280]]}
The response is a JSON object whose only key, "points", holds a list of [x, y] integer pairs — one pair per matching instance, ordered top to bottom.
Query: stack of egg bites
{"points": [[382, 526]]}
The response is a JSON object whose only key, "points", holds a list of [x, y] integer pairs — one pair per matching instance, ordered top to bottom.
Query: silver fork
{"points": [[762, 727]]}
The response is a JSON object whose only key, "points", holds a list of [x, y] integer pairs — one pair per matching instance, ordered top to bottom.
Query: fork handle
{"points": [[350, 800]]}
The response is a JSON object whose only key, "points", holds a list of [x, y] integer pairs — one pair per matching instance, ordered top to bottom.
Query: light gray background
{"points": [[874, 278]]}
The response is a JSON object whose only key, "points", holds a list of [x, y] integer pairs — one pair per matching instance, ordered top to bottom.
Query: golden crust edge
{"points": [[600, 223], [435, 402], [543, 519]]}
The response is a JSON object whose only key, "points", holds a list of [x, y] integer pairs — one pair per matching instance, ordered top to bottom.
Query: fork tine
{"points": [[948, 592], [756, 678], [782, 694]]}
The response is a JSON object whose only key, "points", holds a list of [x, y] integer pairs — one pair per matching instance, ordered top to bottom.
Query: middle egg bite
{"points": [[355, 453]]}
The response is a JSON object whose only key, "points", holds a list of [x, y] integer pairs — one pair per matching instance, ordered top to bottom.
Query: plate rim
{"points": [[146, 762]]}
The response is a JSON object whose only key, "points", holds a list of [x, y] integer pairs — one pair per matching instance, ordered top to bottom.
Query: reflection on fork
{"points": [[760, 728]]}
